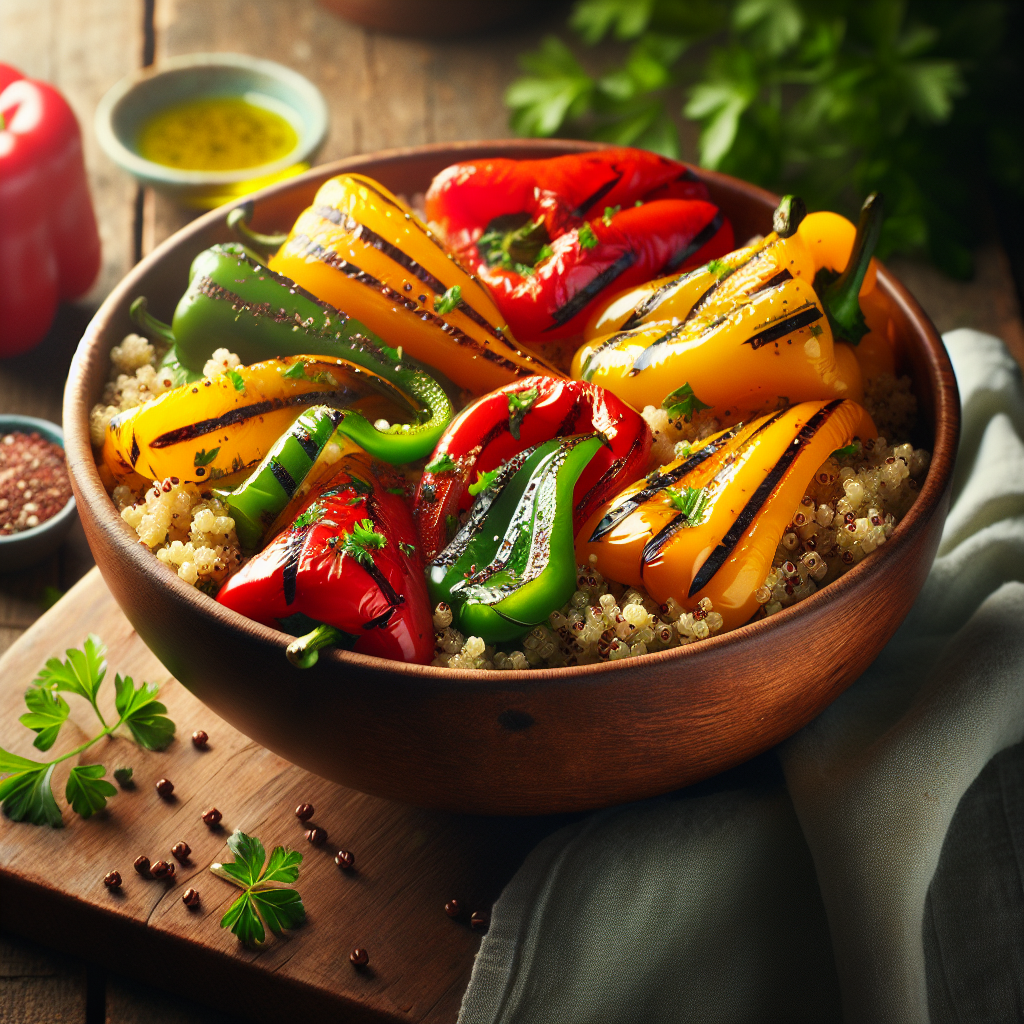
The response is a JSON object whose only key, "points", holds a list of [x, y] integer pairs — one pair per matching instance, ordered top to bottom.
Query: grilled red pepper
{"points": [[549, 237], [49, 244], [518, 416], [349, 567]]}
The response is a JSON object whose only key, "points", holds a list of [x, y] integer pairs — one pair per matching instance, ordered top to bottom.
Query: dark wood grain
{"points": [[599, 734], [409, 862]]}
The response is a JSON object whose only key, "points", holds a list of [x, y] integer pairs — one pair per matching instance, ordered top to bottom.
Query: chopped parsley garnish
{"points": [[609, 212], [588, 240], [545, 253], [719, 268], [447, 302], [815, 330], [297, 371], [236, 379], [683, 402], [519, 404], [844, 453], [204, 457], [442, 464], [483, 481], [691, 501], [362, 542], [407, 549], [265, 897]]}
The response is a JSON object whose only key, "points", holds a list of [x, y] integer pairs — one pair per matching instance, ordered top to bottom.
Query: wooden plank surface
{"points": [[409, 862]]}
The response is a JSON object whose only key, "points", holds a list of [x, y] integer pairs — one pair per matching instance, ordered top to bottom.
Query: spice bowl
{"points": [[129, 105], [26, 547], [511, 742]]}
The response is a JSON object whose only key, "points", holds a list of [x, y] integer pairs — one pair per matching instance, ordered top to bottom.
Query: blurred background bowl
{"points": [[128, 105], [27, 547], [510, 742]]}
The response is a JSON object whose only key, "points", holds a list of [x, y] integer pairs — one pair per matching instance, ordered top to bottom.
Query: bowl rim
{"points": [[137, 165], [54, 433], [86, 476]]}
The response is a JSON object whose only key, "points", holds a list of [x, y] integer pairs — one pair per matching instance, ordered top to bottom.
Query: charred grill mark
{"points": [[598, 195], [695, 244], [307, 248], [772, 282], [643, 309], [566, 312], [802, 318], [608, 343], [646, 357], [244, 412], [572, 416], [307, 443], [136, 451], [609, 474], [283, 477], [661, 538], [717, 558], [290, 573], [384, 585], [381, 620]]}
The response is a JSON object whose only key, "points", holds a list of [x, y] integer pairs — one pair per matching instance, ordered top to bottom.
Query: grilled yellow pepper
{"points": [[362, 250], [759, 336], [222, 425], [708, 524]]}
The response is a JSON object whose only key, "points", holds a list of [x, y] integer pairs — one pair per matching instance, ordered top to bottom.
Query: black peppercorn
{"points": [[200, 739], [165, 787], [304, 812], [212, 816], [316, 836], [181, 850], [345, 860], [142, 865], [161, 869], [112, 879], [190, 898], [452, 908], [480, 921], [359, 957]]}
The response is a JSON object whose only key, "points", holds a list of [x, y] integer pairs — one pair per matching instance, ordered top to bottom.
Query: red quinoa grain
{"points": [[34, 484]]}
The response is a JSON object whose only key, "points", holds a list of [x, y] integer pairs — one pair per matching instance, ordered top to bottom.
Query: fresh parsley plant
{"points": [[683, 402], [26, 792], [265, 898]]}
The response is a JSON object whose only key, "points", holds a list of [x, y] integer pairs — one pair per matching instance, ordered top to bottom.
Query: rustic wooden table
{"points": [[383, 92]]}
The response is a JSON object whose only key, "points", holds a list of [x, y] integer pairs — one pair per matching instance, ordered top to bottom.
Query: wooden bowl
{"points": [[509, 742]]}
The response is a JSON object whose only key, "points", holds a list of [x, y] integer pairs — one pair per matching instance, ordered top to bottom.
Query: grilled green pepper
{"points": [[234, 301], [512, 563]]}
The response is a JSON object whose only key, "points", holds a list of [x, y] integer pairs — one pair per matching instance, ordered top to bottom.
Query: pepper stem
{"points": [[787, 216], [238, 221], [840, 298], [149, 323], [303, 653]]}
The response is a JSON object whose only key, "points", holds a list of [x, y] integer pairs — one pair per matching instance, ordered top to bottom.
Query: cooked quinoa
{"points": [[850, 508]]}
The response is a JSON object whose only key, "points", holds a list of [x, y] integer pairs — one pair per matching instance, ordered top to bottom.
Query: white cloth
{"points": [[798, 898]]}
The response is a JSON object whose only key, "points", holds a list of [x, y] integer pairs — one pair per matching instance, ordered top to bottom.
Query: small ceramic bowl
{"points": [[124, 110], [18, 550]]}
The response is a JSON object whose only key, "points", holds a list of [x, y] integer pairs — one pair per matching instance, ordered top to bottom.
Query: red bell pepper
{"points": [[551, 237], [49, 244], [512, 419], [350, 563]]}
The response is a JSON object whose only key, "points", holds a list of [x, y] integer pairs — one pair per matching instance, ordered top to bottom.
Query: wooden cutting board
{"points": [[408, 862]]}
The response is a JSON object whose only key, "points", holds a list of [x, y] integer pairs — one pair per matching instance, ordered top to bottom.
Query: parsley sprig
{"points": [[683, 402], [361, 543], [26, 791], [265, 897]]}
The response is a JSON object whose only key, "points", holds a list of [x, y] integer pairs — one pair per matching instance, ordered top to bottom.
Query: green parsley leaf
{"points": [[609, 212], [588, 240], [544, 253], [719, 268], [447, 302], [816, 330], [297, 371], [237, 380], [683, 402], [519, 404], [847, 451], [204, 457], [442, 464], [483, 481], [360, 486], [400, 491], [691, 501], [363, 541], [407, 549], [50, 596], [81, 673], [47, 712], [143, 713], [123, 775], [87, 790], [26, 792], [264, 900]]}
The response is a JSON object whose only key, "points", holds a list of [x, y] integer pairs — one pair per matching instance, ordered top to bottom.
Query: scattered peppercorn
{"points": [[200, 739], [165, 787], [304, 812], [212, 816], [316, 836], [181, 851], [345, 860], [142, 865], [162, 869], [112, 879], [190, 898], [453, 908], [480, 921], [359, 957]]}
